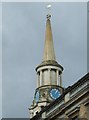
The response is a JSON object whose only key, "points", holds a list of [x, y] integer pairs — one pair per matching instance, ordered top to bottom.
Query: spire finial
{"points": [[48, 14]]}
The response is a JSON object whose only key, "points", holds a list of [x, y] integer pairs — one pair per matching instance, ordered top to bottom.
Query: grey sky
{"points": [[44, 1], [87, 36], [23, 41], [0, 60]]}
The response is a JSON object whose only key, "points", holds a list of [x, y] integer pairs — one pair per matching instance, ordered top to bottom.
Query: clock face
{"points": [[54, 93], [37, 95]]}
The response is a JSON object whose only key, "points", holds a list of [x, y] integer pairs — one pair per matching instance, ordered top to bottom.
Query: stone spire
{"points": [[49, 53], [49, 75]]}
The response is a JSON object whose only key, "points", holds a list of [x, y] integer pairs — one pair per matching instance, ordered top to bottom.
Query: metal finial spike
{"points": [[48, 8], [48, 17]]}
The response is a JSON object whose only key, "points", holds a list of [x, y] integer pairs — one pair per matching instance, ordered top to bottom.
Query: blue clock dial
{"points": [[54, 93], [37, 95]]}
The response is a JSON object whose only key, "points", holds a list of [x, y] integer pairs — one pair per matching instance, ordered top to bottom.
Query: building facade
{"points": [[51, 100], [72, 104]]}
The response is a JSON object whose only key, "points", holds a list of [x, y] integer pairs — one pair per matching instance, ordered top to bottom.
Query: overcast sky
{"points": [[23, 37], [0, 60]]}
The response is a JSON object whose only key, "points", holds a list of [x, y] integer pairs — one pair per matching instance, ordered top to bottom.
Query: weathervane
{"points": [[48, 8]]}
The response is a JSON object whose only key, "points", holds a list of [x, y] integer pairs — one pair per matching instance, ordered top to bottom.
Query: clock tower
{"points": [[49, 75]]}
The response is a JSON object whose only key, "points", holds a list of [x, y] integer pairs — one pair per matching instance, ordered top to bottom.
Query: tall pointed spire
{"points": [[49, 53], [49, 74]]}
